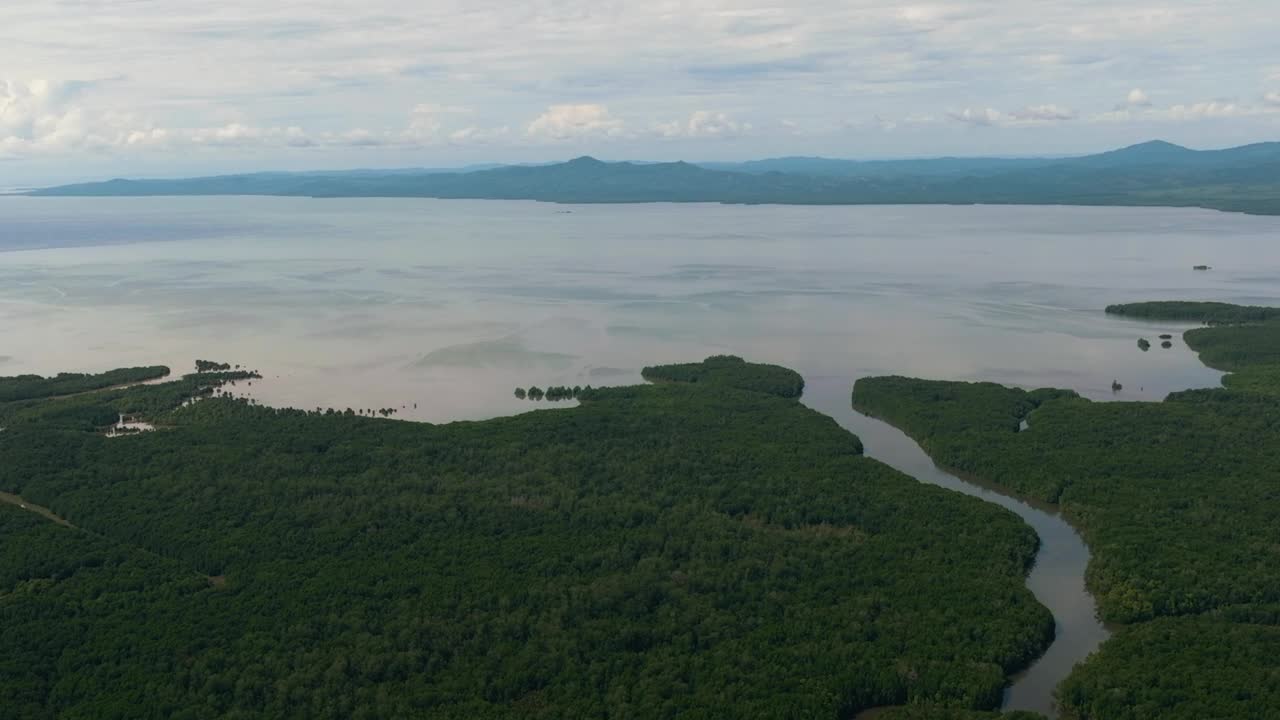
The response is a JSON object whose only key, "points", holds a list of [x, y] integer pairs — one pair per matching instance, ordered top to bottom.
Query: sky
{"points": [[105, 88]]}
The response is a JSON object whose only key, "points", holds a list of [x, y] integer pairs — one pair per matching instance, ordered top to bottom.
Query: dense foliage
{"points": [[1237, 347], [732, 372], [31, 387], [91, 411], [1177, 501], [682, 549], [1204, 667]]}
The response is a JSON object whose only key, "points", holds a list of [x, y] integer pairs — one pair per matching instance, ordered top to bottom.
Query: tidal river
{"points": [[1057, 580]]}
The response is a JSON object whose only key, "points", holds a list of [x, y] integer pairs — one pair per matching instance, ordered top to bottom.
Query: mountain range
{"points": [[1241, 179]]}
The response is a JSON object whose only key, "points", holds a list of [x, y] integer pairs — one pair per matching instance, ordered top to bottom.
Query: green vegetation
{"points": [[1211, 313], [1144, 344], [1237, 347], [204, 366], [731, 372], [32, 387], [555, 393], [96, 410], [1176, 500], [687, 549], [1202, 667]]}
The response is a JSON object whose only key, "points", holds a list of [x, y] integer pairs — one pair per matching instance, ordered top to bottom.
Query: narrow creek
{"points": [[1056, 580]]}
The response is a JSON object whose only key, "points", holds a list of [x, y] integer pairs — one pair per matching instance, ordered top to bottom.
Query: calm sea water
{"points": [[451, 304], [442, 308]]}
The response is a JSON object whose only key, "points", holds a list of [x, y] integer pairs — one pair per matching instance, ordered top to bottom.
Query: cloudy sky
{"points": [[93, 88]]}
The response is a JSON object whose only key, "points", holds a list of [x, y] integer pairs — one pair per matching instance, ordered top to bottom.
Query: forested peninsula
{"points": [[1176, 499], [708, 549]]}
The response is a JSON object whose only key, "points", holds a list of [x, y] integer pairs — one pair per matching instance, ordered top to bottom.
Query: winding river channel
{"points": [[1056, 580]]}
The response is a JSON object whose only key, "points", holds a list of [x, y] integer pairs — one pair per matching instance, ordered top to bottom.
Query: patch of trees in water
{"points": [[1211, 313], [732, 372], [34, 387], [555, 393], [100, 409], [1177, 500], [686, 549]]}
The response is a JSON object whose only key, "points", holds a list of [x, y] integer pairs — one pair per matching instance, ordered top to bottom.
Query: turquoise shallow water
{"points": [[441, 308]]}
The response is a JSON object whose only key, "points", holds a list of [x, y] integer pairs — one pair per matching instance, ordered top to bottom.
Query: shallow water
{"points": [[451, 304], [441, 308]]}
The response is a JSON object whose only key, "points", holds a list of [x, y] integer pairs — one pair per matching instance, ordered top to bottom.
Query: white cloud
{"points": [[341, 73], [1138, 98], [1272, 98], [1215, 109], [37, 112], [1192, 112], [1043, 113], [42, 116], [1028, 116], [984, 117], [427, 121], [565, 122], [707, 124], [478, 135]]}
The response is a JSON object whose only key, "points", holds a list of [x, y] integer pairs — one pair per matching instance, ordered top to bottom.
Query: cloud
{"points": [[300, 79], [1138, 98], [1214, 109], [32, 110], [1193, 112], [1043, 113], [44, 116], [1028, 116], [984, 117], [427, 120], [565, 122], [706, 124], [478, 135]]}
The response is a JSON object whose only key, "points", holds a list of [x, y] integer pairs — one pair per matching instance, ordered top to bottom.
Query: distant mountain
{"points": [[929, 167], [1243, 179]]}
